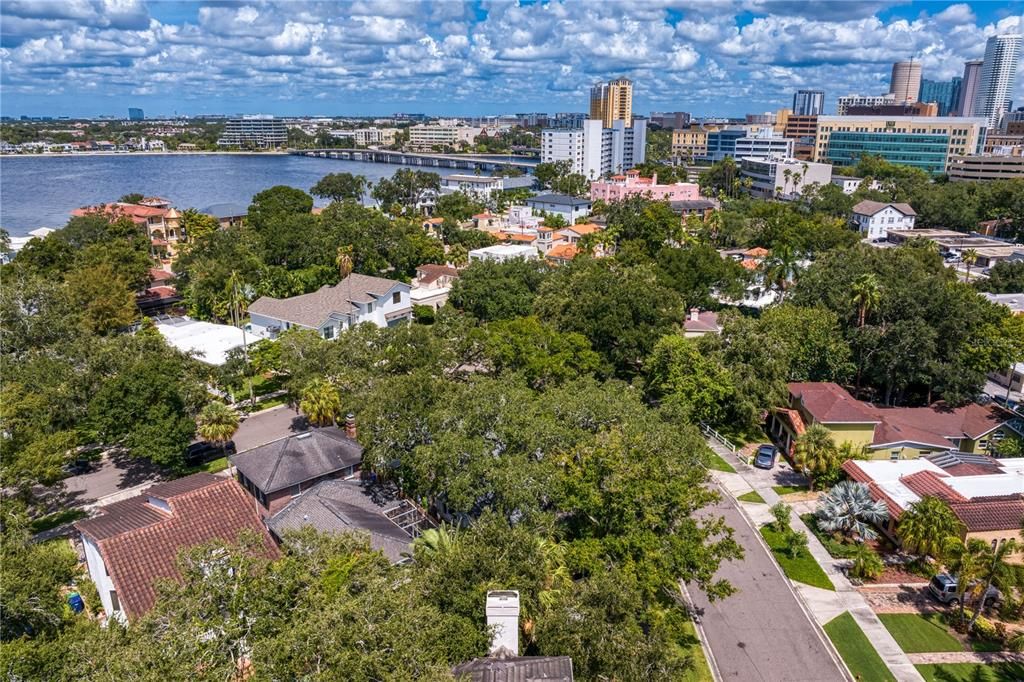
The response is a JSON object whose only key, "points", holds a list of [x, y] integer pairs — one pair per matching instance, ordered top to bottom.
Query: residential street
{"points": [[263, 427], [762, 632]]}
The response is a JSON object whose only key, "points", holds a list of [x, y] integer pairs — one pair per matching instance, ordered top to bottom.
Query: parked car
{"points": [[202, 452], [765, 456], [943, 588]]}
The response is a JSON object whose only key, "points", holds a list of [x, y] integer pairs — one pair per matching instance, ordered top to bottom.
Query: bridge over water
{"points": [[460, 161]]}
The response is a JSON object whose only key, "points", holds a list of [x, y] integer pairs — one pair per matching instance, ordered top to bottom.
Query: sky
{"points": [[377, 57]]}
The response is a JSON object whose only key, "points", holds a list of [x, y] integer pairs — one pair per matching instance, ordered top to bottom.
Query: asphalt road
{"points": [[264, 427], [761, 632]]}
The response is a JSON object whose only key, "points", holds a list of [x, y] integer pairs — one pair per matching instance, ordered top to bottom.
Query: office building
{"points": [[998, 73], [905, 82], [969, 88], [944, 94], [612, 101], [847, 101], [808, 102], [893, 108], [135, 114], [673, 120], [802, 130], [255, 131], [365, 137], [425, 138], [691, 142], [722, 143], [928, 143], [763, 144], [594, 150], [981, 167], [781, 177]]}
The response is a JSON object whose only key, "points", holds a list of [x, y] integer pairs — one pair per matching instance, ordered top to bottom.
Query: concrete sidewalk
{"points": [[822, 604]]}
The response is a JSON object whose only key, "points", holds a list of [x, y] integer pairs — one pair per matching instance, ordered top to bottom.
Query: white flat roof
{"points": [[506, 250], [211, 342]]}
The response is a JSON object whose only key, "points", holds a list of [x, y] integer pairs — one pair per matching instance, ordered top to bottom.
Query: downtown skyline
{"points": [[725, 57]]}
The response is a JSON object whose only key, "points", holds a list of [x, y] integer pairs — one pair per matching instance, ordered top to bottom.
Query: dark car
{"points": [[202, 452], [765, 456]]}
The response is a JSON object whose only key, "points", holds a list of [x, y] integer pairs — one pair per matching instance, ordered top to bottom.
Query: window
{"points": [[396, 297], [369, 308], [328, 332], [894, 455], [115, 603]]}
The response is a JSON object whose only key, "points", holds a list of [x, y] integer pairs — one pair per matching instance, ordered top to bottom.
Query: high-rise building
{"points": [[997, 77], [905, 82], [969, 87], [946, 94], [612, 101], [809, 103], [844, 103], [135, 114], [670, 119], [596, 151]]}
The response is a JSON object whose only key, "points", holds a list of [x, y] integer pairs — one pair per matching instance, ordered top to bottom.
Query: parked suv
{"points": [[765, 456], [943, 588]]}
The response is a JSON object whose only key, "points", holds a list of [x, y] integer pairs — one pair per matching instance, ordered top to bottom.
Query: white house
{"points": [[849, 184], [482, 186], [570, 208], [875, 219], [503, 252], [432, 285], [331, 310]]}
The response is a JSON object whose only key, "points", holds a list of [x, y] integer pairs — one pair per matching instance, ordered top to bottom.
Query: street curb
{"points": [[698, 627]]}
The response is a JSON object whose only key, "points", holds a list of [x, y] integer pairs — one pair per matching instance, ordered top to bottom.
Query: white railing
{"points": [[711, 433]]}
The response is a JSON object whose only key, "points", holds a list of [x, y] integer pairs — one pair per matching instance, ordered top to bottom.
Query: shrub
{"points": [[781, 513], [796, 542], [867, 565], [984, 629]]}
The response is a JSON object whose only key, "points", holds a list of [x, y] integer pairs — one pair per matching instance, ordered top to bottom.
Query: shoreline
{"points": [[71, 155]]}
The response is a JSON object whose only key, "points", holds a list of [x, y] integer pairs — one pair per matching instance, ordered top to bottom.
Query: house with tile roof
{"points": [[875, 219], [160, 220], [432, 284], [331, 310], [701, 322], [893, 433], [279, 471], [985, 494], [132, 544]]}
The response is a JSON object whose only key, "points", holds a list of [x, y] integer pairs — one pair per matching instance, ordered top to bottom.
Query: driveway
{"points": [[762, 632]]}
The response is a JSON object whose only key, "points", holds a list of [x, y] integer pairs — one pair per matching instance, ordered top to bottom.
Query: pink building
{"points": [[619, 187]]}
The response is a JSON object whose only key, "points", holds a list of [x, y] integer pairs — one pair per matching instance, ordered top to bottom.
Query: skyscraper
{"points": [[997, 76], [905, 82], [969, 88], [946, 94], [612, 101], [809, 103], [135, 114]]}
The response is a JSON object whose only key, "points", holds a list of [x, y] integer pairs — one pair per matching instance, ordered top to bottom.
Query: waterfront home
{"points": [[631, 183], [161, 222], [331, 310], [133, 544]]}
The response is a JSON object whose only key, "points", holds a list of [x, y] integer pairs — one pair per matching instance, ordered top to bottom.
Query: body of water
{"points": [[41, 191]]}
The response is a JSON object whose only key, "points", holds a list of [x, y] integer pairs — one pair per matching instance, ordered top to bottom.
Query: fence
{"points": [[711, 433]]}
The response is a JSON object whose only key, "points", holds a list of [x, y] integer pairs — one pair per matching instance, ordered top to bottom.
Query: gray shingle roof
{"points": [[562, 199], [868, 207], [226, 210], [312, 310], [296, 459], [338, 506], [503, 668]]}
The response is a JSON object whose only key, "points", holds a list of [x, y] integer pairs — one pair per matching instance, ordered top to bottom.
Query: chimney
{"points": [[654, 178], [694, 314], [350, 425], [503, 617]]}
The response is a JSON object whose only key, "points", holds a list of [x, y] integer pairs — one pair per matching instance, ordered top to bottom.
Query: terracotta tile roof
{"points": [[117, 209], [583, 228], [516, 237], [563, 252], [757, 252], [748, 264], [430, 272], [158, 275], [159, 293], [707, 321], [966, 469], [928, 483], [988, 515], [140, 542]]}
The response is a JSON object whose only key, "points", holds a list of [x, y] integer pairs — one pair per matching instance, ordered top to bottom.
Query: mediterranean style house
{"points": [[160, 220], [331, 310], [892, 433]]}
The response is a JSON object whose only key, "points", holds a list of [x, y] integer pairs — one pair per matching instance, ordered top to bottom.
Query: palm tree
{"points": [[788, 175], [458, 255], [969, 257], [343, 259], [781, 269], [867, 294], [237, 304], [320, 402], [217, 423], [815, 452], [848, 509], [926, 526], [435, 542], [964, 560], [994, 570]]}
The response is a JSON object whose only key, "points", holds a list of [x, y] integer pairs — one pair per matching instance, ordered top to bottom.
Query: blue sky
{"points": [[376, 57]]}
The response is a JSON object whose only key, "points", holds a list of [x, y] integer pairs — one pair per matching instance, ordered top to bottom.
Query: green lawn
{"points": [[271, 402], [716, 462], [212, 467], [787, 489], [752, 496], [56, 519], [837, 550], [803, 569], [920, 634], [855, 648], [700, 672], [972, 672]]}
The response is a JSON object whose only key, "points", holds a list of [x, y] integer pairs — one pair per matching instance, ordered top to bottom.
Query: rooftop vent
{"points": [[307, 434]]}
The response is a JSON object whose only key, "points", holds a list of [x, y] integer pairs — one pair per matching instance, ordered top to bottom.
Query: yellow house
{"points": [[893, 433]]}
